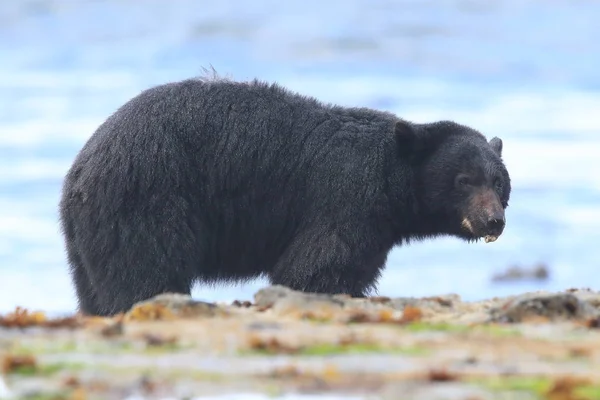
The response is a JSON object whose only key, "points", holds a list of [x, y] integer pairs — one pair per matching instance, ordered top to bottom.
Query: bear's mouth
{"points": [[478, 233], [490, 238]]}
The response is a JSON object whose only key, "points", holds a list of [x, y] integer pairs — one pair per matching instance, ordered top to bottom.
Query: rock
{"points": [[278, 295], [589, 296], [284, 301], [437, 303], [168, 305], [571, 305], [560, 306], [343, 308]]}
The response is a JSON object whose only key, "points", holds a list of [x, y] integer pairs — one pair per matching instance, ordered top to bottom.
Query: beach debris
{"points": [[23, 318]]}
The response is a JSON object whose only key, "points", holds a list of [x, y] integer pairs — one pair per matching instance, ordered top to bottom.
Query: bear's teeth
{"points": [[490, 238]]}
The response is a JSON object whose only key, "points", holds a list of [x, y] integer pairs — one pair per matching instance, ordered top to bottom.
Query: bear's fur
{"points": [[214, 180]]}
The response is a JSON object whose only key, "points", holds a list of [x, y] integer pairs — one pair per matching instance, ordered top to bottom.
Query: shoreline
{"points": [[172, 346]]}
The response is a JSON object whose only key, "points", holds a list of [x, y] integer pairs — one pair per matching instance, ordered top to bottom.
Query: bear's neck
{"points": [[408, 221]]}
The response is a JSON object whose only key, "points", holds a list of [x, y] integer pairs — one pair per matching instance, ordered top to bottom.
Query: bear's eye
{"points": [[462, 180]]}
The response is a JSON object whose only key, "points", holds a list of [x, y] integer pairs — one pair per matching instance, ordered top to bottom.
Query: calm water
{"points": [[528, 72]]}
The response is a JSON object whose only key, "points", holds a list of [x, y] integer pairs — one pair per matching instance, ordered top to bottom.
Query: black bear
{"points": [[213, 180]]}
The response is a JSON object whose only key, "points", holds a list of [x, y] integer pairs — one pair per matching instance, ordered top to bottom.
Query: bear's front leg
{"points": [[331, 263]]}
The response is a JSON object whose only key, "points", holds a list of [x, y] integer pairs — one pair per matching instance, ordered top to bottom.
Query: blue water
{"points": [[528, 72]]}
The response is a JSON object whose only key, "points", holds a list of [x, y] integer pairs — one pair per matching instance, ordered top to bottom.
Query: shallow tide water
{"points": [[503, 67]]}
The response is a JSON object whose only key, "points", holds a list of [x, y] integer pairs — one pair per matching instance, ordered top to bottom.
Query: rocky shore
{"points": [[533, 346]]}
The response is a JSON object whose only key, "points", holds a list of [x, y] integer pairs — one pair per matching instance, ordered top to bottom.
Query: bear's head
{"points": [[461, 184]]}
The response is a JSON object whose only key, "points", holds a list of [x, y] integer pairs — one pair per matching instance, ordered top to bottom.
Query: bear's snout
{"points": [[493, 211], [487, 218], [495, 223]]}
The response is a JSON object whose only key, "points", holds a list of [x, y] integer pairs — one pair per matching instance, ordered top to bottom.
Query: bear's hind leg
{"points": [[137, 255], [139, 271], [128, 280], [86, 296]]}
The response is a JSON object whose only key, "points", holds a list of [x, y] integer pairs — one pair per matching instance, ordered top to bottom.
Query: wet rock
{"points": [[277, 295], [282, 297], [282, 301], [438, 303], [168, 305], [315, 306], [553, 307]]}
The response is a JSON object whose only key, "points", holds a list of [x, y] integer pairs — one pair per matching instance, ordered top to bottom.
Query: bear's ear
{"points": [[406, 137], [496, 145]]}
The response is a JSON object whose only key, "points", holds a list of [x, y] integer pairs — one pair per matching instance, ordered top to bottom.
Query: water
{"points": [[528, 72]]}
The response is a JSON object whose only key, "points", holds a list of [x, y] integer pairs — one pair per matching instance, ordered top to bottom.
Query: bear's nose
{"points": [[496, 222]]}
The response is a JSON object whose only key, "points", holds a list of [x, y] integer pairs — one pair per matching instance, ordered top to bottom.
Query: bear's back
{"points": [[235, 146]]}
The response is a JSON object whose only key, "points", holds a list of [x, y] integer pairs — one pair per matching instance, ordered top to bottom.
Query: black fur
{"points": [[213, 180]]}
